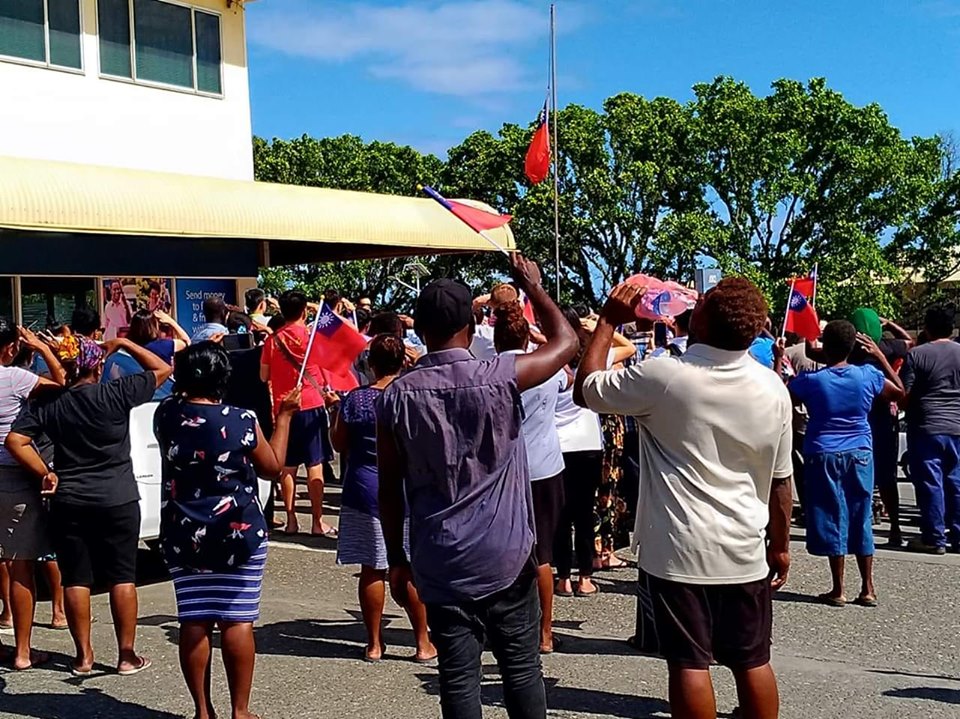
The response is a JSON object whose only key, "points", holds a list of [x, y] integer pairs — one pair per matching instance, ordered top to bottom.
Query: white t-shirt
{"points": [[114, 319], [679, 342], [482, 345], [16, 384], [579, 428], [715, 429], [544, 456]]}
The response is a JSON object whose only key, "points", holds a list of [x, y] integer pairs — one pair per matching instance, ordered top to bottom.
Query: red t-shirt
{"points": [[285, 370]]}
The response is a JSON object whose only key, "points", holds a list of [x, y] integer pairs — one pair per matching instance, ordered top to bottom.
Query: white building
{"points": [[126, 156]]}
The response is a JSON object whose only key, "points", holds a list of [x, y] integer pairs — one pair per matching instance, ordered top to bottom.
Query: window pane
{"points": [[113, 21], [21, 29], [64, 32], [164, 42], [208, 52], [53, 299]]}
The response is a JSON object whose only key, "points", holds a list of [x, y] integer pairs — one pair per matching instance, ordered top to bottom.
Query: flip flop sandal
{"points": [[558, 593], [580, 593], [831, 601], [870, 603], [557, 646], [420, 660], [144, 664], [81, 672]]}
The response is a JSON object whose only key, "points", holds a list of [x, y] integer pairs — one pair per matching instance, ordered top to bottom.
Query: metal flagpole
{"points": [[556, 149], [816, 281]]}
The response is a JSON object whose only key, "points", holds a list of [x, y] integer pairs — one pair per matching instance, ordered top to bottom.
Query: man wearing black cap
{"points": [[449, 441]]}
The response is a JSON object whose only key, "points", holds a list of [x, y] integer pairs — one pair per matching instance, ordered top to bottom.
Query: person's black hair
{"points": [[154, 285], [332, 297], [252, 299], [293, 303], [215, 310], [581, 310], [363, 318], [236, 320], [683, 320], [85, 321], [939, 322], [276, 323], [386, 323], [144, 328], [9, 332], [839, 339], [386, 356], [24, 358], [202, 371]]}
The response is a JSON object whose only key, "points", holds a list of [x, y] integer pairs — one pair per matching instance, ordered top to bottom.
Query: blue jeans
{"points": [[935, 472], [510, 619]]}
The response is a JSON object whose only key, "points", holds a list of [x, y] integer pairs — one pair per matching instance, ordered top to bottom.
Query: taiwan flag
{"points": [[536, 165], [478, 220], [802, 317], [336, 346]]}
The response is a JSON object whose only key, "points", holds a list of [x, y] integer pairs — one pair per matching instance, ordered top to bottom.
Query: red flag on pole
{"points": [[536, 165], [802, 318], [335, 348]]}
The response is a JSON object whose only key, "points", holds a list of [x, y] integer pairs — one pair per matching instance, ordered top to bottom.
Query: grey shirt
{"points": [[931, 376], [457, 424]]}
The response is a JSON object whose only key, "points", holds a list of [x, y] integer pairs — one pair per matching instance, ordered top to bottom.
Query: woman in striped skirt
{"points": [[354, 434], [212, 528]]}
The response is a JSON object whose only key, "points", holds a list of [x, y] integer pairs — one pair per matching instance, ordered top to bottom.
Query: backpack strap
{"points": [[295, 362]]}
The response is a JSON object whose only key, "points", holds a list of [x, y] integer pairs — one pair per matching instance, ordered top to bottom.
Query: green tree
{"points": [[344, 163]]}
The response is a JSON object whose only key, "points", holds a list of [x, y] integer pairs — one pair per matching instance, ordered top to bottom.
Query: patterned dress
{"points": [[611, 527], [212, 528]]}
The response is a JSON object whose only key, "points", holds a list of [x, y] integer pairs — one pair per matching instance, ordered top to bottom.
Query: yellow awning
{"points": [[59, 197]]}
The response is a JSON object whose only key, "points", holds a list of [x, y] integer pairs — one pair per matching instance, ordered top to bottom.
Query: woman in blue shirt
{"points": [[838, 455]]}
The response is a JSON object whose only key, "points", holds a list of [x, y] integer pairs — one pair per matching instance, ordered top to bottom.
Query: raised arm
{"points": [[619, 309], [898, 332], [181, 338], [561, 341], [147, 359], [58, 378], [893, 390], [270, 457]]}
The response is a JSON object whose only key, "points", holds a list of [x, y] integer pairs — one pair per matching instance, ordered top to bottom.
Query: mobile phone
{"points": [[659, 335], [232, 343]]}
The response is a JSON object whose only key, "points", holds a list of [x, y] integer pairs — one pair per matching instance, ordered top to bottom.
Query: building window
{"points": [[42, 31], [155, 41], [51, 300]]}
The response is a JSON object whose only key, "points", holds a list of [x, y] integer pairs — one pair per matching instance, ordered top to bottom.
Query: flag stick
{"points": [[556, 154], [488, 238], [816, 281], [786, 314], [306, 357]]}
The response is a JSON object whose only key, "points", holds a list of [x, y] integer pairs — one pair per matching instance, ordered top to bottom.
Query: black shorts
{"points": [[309, 442], [886, 456], [547, 506], [96, 545], [699, 623]]}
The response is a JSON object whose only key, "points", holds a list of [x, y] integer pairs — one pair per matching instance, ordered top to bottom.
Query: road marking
{"points": [[299, 547]]}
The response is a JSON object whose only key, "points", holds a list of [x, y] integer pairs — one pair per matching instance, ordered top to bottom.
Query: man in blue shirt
{"points": [[215, 313], [449, 442]]}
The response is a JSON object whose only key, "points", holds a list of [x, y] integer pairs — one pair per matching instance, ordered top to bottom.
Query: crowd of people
{"points": [[496, 453]]}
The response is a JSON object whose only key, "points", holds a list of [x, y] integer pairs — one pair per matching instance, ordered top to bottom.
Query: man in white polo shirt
{"points": [[714, 515]]}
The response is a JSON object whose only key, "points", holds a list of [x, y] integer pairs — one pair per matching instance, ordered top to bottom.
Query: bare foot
{"points": [[293, 524], [324, 530], [564, 588], [59, 621], [375, 651], [426, 654], [34, 660], [82, 666], [245, 715]]}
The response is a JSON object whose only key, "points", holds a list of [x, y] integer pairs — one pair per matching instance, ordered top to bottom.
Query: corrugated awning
{"points": [[59, 197]]}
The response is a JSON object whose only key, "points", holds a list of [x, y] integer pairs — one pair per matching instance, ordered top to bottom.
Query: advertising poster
{"points": [[123, 296], [190, 296]]}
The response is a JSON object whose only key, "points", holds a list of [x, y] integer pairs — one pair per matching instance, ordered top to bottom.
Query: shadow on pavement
{"points": [[794, 597], [327, 639], [595, 646], [894, 673], [934, 694], [567, 699], [88, 703]]}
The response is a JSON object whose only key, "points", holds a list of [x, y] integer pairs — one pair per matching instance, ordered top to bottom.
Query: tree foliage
{"points": [[764, 186]]}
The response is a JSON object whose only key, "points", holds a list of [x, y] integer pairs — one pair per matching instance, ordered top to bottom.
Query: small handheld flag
{"points": [[536, 165], [476, 219], [802, 318]]}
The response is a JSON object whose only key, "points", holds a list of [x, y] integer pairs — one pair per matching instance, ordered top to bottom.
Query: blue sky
{"points": [[427, 73]]}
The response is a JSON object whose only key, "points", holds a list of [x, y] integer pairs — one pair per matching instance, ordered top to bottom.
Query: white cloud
{"points": [[452, 47]]}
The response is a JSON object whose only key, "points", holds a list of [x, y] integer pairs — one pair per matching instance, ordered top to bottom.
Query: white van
{"points": [[147, 467]]}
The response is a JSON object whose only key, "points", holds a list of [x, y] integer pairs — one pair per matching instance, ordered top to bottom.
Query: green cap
{"points": [[867, 321]]}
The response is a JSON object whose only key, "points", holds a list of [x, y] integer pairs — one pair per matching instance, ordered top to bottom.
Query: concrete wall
{"points": [[81, 117]]}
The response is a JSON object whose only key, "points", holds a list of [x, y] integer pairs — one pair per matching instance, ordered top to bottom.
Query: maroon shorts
{"points": [[698, 624]]}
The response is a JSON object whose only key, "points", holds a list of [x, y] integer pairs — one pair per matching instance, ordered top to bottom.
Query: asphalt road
{"points": [[900, 660]]}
